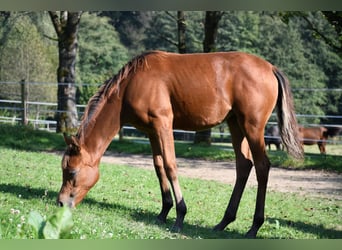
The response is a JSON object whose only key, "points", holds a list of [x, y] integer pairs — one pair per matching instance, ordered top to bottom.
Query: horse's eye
{"points": [[72, 173]]}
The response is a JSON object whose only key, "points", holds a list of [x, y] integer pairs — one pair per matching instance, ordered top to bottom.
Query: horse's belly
{"points": [[200, 118]]}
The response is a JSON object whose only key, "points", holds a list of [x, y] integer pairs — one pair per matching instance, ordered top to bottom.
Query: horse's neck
{"points": [[106, 125]]}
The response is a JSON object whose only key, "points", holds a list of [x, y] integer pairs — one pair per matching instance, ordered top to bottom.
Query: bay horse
{"points": [[157, 92], [314, 135]]}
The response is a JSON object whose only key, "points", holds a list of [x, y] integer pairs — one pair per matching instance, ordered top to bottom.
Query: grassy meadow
{"points": [[126, 200]]}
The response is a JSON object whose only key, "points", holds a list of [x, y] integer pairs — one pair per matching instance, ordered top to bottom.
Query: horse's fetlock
{"points": [[181, 208], [229, 216], [258, 221]]}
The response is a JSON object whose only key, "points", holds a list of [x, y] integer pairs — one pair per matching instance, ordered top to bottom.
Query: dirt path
{"points": [[309, 182]]}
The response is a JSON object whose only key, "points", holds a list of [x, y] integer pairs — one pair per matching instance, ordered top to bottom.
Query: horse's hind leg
{"points": [[256, 146], [321, 147], [262, 164], [243, 168]]}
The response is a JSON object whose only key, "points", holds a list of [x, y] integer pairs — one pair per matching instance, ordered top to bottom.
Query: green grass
{"points": [[26, 138], [126, 200]]}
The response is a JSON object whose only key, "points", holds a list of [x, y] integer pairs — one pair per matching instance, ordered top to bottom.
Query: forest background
{"points": [[107, 40]]}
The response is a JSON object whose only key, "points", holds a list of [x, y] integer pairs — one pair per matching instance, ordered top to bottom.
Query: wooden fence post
{"points": [[23, 84]]}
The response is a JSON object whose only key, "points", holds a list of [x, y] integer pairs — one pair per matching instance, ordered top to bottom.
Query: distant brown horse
{"points": [[159, 91], [314, 135]]}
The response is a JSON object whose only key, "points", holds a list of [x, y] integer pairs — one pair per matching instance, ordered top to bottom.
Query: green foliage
{"points": [[131, 26], [239, 31], [162, 32], [25, 54], [100, 56], [57, 226]]}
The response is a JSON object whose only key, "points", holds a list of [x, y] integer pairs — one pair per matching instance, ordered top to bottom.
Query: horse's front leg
{"points": [[164, 134], [169, 159], [167, 202]]}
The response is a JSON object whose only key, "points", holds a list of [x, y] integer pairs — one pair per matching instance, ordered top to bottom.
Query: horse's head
{"points": [[80, 173]]}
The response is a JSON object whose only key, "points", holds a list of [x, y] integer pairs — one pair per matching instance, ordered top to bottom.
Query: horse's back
{"points": [[310, 135]]}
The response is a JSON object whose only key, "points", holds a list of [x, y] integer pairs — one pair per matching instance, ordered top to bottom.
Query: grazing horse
{"points": [[158, 91], [314, 135]]}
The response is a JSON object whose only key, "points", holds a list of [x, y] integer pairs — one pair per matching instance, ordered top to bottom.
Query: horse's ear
{"points": [[72, 141]]}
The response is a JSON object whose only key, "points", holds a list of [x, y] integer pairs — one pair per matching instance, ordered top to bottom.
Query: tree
{"points": [[212, 19], [335, 20], [211, 23], [66, 25], [131, 26], [239, 31], [162, 32], [181, 32], [331, 34], [285, 47], [26, 55], [327, 58]]}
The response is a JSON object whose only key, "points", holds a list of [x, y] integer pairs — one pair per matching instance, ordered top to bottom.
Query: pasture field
{"points": [[126, 200]]}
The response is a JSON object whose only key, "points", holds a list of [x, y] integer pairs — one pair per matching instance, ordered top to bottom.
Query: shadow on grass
{"points": [[26, 138], [27, 192], [148, 218], [311, 228]]}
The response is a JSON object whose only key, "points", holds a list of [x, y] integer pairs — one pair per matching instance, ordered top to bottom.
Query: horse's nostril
{"points": [[60, 204]]}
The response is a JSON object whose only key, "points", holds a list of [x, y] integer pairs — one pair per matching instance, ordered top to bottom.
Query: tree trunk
{"points": [[212, 19], [66, 25], [181, 32]]}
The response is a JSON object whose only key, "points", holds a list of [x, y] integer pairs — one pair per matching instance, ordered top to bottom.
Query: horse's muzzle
{"points": [[62, 203]]}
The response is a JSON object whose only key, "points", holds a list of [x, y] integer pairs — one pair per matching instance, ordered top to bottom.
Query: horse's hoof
{"points": [[160, 221], [219, 227], [175, 229], [250, 235]]}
